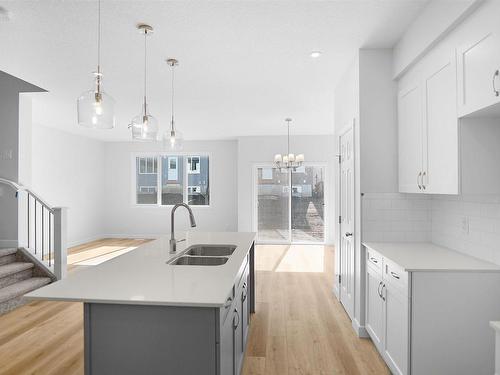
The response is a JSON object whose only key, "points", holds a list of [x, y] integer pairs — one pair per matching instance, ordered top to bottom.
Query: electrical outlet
{"points": [[465, 225]]}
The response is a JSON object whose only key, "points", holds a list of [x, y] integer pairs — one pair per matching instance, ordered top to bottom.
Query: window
{"points": [[193, 164], [148, 165], [267, 173], [171, 179], [146, 180]]}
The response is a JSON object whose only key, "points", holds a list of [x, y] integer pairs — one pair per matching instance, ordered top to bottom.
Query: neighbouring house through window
{"points": [[170, 179]]}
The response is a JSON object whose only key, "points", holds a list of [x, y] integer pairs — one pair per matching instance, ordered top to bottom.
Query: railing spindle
{"points": [[28, 196], [35, 225]]}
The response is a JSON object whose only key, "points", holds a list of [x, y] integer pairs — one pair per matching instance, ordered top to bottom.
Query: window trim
{"points": [[159, 155]]}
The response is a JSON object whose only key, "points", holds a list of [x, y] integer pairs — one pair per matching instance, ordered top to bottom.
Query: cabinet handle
{"points": [[495, 75], [418, 181], [423, 185], [347, 234], [374, 260], [395, 275], [378, 289], [382, 293], [228, 303], [235, 325]]}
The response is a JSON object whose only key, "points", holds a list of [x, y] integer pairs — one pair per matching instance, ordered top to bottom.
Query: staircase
{"points": [[19, 274]]}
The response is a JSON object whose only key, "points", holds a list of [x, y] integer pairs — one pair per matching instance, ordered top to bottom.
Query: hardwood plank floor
{"points": [[299, 327]]}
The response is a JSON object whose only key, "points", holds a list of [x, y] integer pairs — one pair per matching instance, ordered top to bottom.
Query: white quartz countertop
{"points": [[424, 256], [143, 277]]}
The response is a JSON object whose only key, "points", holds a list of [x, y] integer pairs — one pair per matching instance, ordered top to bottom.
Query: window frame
{"points": [[185, 193]]}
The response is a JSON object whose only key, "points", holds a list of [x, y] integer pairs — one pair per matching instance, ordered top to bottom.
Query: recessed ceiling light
{"points": [[315, 54]]}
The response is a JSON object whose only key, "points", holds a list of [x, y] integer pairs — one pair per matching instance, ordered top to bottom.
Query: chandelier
{"points": [[289, 160]]}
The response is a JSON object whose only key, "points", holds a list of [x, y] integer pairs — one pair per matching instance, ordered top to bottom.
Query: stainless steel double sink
{"points": [[204, 255]]}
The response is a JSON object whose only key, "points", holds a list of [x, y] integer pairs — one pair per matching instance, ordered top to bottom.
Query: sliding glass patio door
{"points": [[290, 205]]}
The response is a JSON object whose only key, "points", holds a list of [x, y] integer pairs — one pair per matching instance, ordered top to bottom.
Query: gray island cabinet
{"points": [[197, 324]]}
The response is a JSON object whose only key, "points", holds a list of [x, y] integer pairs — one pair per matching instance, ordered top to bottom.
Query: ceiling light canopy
{"points": [[316, 54], [95, 108], [144, 126], [172, 139], [288, 160]]}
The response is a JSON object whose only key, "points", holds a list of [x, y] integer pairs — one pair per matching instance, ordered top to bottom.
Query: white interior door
{"points": [[346, 282]]}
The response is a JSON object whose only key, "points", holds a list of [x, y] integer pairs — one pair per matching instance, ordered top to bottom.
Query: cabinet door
{"points": [[477, 63], [410, 139], [440, 155], [374, 306], [245, 310], [396, 329], [238, 341], [227, 364]]}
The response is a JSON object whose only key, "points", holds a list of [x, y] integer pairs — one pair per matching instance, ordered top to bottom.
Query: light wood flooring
{"points": [[299, 327]]}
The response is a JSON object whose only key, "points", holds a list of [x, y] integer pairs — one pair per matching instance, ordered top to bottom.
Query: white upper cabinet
{"points": [[478, 77], [428, 129], [410, 138], [440, 154]]}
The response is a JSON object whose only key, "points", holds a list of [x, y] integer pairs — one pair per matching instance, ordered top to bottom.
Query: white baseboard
{"points": [[8, 243], [359, 329]]}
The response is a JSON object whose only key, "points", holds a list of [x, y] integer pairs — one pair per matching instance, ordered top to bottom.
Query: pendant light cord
{"points": [[99, 36], [145, 71], [173, 92]]}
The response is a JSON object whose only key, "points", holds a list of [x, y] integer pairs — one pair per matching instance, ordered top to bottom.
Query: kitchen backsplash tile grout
{"points": [[466, 223]]}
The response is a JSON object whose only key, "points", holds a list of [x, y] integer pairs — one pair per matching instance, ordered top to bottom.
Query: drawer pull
{"points": [[495, 90], [374, 260], [395, 275]]}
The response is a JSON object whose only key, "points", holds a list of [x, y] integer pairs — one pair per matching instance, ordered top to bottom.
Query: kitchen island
{"points": [[145, 315]]}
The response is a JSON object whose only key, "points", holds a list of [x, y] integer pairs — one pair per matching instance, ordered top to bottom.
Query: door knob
{"points": [[348, 234]]}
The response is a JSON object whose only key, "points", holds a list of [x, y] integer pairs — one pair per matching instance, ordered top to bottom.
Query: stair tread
{"points": [[7, 251], [12, 268], [22, 287]]}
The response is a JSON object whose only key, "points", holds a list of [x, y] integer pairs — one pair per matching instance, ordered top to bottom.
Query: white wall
{"points": [[436, 19], [15, 121], [252, 150], [68, 171], [122, 218]]}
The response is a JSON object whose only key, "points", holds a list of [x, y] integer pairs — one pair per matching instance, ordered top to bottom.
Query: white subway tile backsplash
{"points": [[466, 223]]}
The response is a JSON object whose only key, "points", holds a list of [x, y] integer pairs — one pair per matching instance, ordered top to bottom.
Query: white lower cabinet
{"points": [[374, 306], [387, 315], [432, 321], [396, 328]]}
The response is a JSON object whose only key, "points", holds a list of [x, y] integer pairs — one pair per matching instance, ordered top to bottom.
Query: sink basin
{"points": [[211, 250], [199, 261]]}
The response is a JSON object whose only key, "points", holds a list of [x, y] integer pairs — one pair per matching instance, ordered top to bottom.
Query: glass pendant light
{"points": [[95, 108], [144, 126], [172, 140]]}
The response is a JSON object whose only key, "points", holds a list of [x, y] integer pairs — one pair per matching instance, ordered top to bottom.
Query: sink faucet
{"points": [[173, 241]]}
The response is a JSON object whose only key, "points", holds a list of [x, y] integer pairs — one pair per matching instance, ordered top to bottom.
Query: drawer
{"points": [[373, 258], [395, 274]]}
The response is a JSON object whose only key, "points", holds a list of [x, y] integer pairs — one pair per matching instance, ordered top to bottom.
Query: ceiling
{"points": [[244, 65]]}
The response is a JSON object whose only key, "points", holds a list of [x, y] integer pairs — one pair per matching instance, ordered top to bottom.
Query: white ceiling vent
{"points": [[4, 15]]}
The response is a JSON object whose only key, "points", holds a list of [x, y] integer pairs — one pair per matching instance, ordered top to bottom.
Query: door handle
{"points": [[495, 90], [418, 180], [347, 234]]}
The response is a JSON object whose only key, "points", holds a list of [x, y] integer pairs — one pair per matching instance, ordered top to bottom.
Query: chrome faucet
{"points": [[173, 241]]}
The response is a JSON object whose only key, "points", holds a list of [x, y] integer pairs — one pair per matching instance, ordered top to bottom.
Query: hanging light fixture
{"points": [[95, 108], [144, 126], [173, 138], [289, 160]]}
